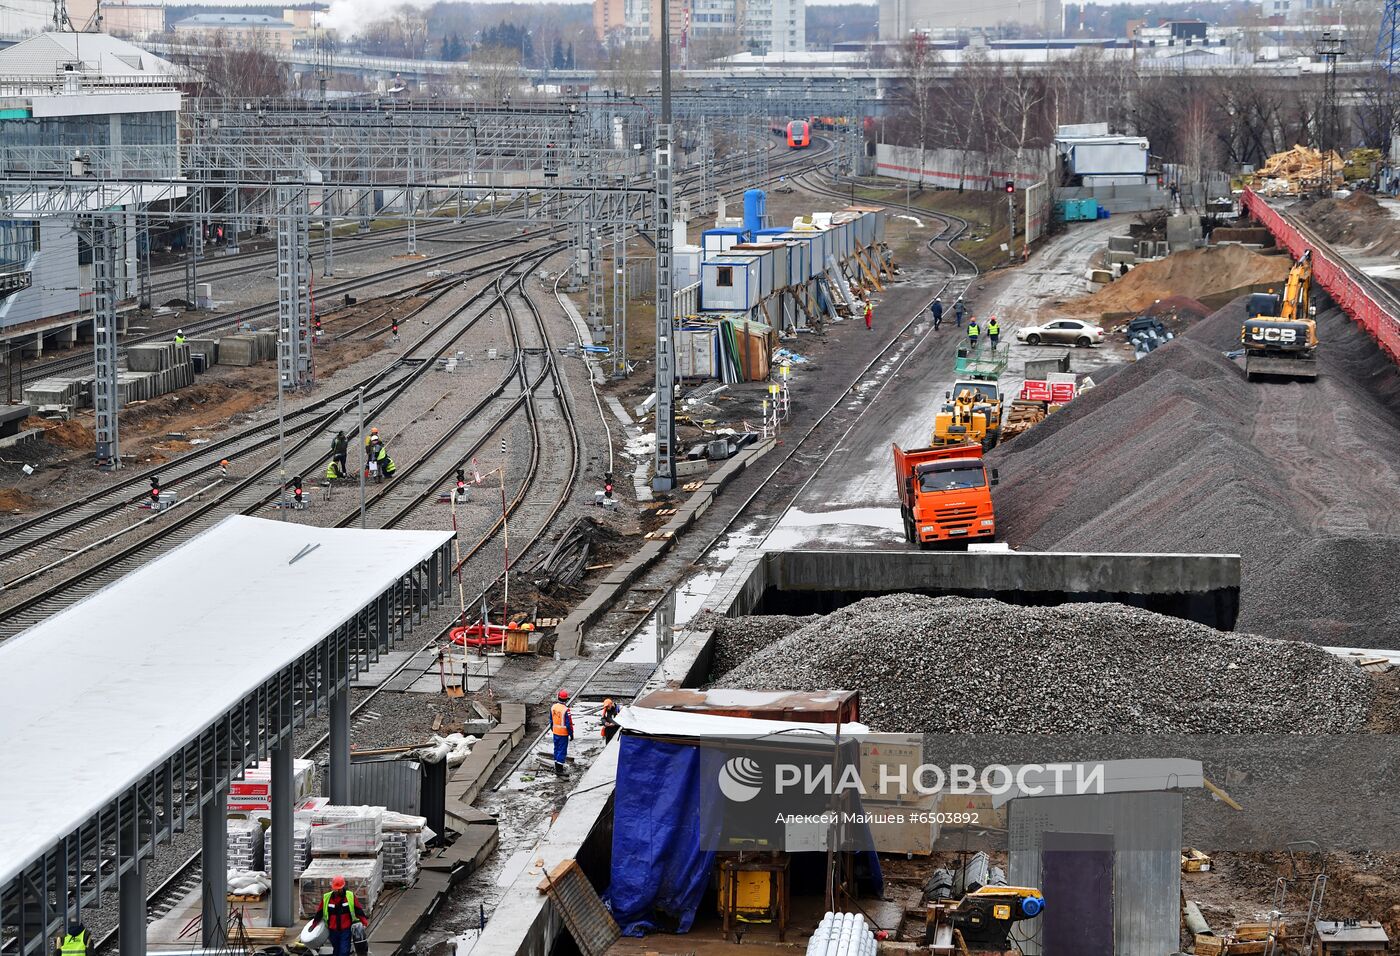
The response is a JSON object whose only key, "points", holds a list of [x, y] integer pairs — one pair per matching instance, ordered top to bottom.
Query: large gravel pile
{"points": [[1178, 453], [739, 638], [950, 665]]}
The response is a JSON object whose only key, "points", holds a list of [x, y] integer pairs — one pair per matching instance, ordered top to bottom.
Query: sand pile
{"points": [[1197, 273], [69, 434], [1177, 453]]}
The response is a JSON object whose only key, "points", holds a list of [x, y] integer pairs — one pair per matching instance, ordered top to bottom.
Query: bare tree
{"points": [[919, 63], [246, 68], [497, 74]]}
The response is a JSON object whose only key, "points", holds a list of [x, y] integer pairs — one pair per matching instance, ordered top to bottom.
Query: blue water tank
{"points": [[755, 209]]}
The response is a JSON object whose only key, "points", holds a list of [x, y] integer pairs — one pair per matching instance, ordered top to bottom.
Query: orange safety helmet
{"points": [[563, 694], [337, 882]]}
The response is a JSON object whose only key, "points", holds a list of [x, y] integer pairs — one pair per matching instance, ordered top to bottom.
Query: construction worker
{"points": [[936, 310], [959, 310], [869, 316], [993, 330], [972, 332], [179, 336], [371, 437], [340, 445], [383, 464], [610, 725], [562, 728], [339, 912], [76, 942]]}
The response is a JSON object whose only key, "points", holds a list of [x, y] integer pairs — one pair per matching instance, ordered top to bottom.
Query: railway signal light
{"points": [[1010, 186], [461, 484], [296, 490], [155, 491]]}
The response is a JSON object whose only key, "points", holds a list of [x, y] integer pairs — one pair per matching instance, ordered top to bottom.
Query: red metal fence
{"points": [[1355, 298]]}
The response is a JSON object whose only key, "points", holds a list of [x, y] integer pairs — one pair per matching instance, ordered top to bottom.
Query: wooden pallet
{"points": [[658, 535]]}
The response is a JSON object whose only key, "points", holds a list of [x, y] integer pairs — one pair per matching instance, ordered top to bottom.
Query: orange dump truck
{"points": [[945, 495]]}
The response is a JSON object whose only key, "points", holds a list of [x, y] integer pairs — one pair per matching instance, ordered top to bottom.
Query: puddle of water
{"points": [[850, 527], [654, 640]]}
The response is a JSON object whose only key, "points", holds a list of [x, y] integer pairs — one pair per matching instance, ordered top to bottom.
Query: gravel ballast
{"points": [[1178, 453], [739, 638], [948, 664]]}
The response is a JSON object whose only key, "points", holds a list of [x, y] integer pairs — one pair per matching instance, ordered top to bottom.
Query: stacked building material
{"points": [[267, 344], [209, 348], [238, 350], [154, 369], [73, 392], [252, 793], [347, 831], [245, 845], [301, 845], [403, 845], [364, 876]]}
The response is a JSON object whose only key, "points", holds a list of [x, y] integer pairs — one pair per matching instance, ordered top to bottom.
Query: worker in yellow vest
{"points": [[993, 330], [972, 332], [562, 727], [340, 912], [76, 942]]}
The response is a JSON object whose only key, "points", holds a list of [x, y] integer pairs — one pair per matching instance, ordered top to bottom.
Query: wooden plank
{"points": [[1224, 797]]}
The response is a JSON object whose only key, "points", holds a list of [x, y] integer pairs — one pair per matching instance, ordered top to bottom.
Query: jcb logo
{"points": [[1281, 336]]}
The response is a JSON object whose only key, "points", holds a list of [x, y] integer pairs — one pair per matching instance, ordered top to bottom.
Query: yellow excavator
{"points": [[1280, 331], [963, 418]]}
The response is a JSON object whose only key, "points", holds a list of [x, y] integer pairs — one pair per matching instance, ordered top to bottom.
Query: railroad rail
{"points": [[959, 272], [1363, 298], [186, 876]]}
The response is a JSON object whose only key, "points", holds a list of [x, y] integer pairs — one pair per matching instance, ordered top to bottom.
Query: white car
{"points": [[1061, 332]]}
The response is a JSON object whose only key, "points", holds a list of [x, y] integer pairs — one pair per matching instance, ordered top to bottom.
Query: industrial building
{"points": [[899, 19], [93, 99]]}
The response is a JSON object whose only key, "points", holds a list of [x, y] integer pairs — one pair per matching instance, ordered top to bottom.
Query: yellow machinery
{"points": [[1280, 333], [962, 419], [982, 919]]}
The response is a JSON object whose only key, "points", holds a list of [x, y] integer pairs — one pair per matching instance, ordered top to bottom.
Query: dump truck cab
{"points": [[1280, 333], [945, 495]]}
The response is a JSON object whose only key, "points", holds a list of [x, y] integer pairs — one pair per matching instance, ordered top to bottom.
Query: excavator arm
{"points": [[1297, 293]]}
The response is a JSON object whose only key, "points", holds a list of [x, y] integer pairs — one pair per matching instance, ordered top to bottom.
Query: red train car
{"points": [[799, 134]]}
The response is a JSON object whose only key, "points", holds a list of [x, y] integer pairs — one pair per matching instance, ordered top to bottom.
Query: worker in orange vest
{"points": [[562, 725], [610, 725]]}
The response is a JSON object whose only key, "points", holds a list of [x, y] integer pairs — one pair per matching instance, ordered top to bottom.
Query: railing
{"points": [[1354, 293]]}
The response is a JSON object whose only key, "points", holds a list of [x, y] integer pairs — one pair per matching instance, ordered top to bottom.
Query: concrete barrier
{"points": [[1198, 587], [469, 779]]}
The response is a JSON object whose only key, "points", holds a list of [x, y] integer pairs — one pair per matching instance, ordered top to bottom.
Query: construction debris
{"points": [[1296, 171], [942, 665]]}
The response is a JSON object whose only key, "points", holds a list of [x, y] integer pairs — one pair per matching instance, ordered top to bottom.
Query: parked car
{"points": [[1061, 332]]}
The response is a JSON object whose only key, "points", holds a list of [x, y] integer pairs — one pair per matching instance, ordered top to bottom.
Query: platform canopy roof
{"points": [[102, 693]]}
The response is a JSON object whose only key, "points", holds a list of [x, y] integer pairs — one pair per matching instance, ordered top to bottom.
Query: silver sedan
{"points": [[1061, 332]]}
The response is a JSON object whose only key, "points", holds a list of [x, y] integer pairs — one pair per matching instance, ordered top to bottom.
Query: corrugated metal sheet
{"points": [[395, 784], [1147, 832]]}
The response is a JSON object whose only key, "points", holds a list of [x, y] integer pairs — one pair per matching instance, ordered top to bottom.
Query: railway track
{"points": [[961, 271], [545, 488], [249, 494], [550, 496], [103, 508]]}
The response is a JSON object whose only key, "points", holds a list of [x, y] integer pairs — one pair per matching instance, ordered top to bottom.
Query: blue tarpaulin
{"points": [[666, 810], [659, 871]]}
